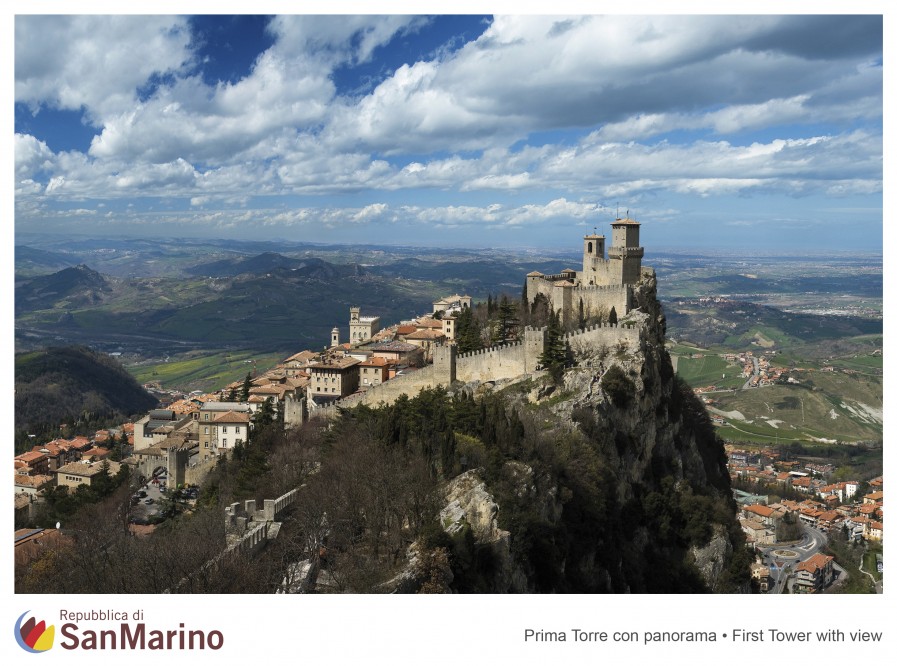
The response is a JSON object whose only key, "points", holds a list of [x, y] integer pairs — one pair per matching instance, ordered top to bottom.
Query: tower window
{"points": [[590, 248]]}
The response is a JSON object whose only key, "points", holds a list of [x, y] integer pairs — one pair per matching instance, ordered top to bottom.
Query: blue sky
{"points": [[717, 132]]}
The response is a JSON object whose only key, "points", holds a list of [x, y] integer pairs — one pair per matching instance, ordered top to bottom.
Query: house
{"points": [[452, 303], [449, 327], [426, 339], [395, 350], [299, 363], [373, 372], [334, 377], [211, 411], [157, 425], [229, 430], [58, 452], [95, 453], [31, 462], [76, 473], [30, 484], [873, 498], [763, 514], [873, 531], [757, 532], [760, 574], [814, 574]]}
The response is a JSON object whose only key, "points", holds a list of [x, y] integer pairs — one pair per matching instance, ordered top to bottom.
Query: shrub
{"points": [[618, 386]]}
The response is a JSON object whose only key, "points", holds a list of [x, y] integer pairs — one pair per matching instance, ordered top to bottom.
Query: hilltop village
{"points": [[595, 309]]}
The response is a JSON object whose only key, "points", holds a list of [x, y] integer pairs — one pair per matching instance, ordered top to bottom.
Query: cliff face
{"points": [[634, 494]]}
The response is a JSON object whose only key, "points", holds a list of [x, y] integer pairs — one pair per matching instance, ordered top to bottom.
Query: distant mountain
{"points": [[30, 261], [269, 262], [479, 275], [78, 286], [68, 384]]}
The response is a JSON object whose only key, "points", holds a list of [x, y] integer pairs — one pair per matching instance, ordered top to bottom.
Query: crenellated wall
{"points": [[608, 335], [501, 362], [491, 364]]}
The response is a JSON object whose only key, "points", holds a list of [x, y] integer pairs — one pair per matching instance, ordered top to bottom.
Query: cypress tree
{"points": [[555, 355], [247, 384]]}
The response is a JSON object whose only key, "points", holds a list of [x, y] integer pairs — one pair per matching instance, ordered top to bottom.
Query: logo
{"points": [[34, 636]]}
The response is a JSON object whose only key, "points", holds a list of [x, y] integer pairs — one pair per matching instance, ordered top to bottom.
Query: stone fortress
{"points": [[603, 284]]}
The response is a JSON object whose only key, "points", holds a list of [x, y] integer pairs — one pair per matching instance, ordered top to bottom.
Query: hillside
{"points": [[31, 261], [267, 262], [78, 286], [287, 308], [70, 384], [608, 479]]}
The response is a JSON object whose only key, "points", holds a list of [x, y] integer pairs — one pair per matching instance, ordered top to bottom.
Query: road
{"points": [[747, 384], [781, 564]]}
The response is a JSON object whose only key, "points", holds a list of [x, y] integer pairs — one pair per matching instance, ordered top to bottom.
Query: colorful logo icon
{"points": [[34, 636]]}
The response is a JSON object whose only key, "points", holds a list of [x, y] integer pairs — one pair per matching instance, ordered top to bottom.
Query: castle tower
{"points": [[625, 249], [592, 253], [334, 337], [534, 340], [444, 364], [295, 410]]}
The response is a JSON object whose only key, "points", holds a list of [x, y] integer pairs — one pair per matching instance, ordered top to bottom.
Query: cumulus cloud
{"points": [[95, 62], [565, 107], [31, 156]]}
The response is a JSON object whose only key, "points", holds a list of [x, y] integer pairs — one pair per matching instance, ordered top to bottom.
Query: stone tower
{"points": [[625, 249], [592, 252], [334, 337], [534, 340], [444, 364], [295, 410]]}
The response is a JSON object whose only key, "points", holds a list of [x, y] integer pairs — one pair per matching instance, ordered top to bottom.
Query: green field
{"points": [[861, 363], [710, 369], [197, 371], [825, 406]]}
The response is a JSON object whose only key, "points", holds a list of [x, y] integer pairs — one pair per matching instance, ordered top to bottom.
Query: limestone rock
{"points": [[711, 559]]}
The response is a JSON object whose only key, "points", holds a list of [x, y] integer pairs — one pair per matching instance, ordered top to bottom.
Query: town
{"points": [[788, 509]]}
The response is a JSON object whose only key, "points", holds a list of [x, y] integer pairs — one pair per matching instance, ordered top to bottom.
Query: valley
{"points": [[197, 315]]}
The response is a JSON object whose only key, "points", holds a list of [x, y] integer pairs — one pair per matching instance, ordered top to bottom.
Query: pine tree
{"points": [[582, 315], [612, 317], [506, 324], [467, 331], [555, 355]]}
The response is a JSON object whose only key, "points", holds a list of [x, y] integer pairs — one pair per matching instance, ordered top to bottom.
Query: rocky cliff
{"points": [[619, 483]]}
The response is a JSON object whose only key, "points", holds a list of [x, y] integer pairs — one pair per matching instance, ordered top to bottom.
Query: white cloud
{"points": [[95, 62], [534, 105], [31, 156]]}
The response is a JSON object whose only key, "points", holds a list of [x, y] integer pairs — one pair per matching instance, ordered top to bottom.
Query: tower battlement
{"points": [[605, 282]]}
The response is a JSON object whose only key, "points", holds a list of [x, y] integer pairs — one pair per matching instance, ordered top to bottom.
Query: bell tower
{"points": [[592, 253]]}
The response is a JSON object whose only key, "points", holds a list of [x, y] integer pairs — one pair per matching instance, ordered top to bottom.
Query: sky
{"points": [[727, 132]]}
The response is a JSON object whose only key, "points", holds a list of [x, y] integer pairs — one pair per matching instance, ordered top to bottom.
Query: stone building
{"points": [[605, 283], [452, 303], [361, 328], [334, 377], [208, 430], [76, 473]]}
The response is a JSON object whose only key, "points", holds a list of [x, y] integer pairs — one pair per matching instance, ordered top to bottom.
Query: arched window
{"points": [[590, 248]]}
